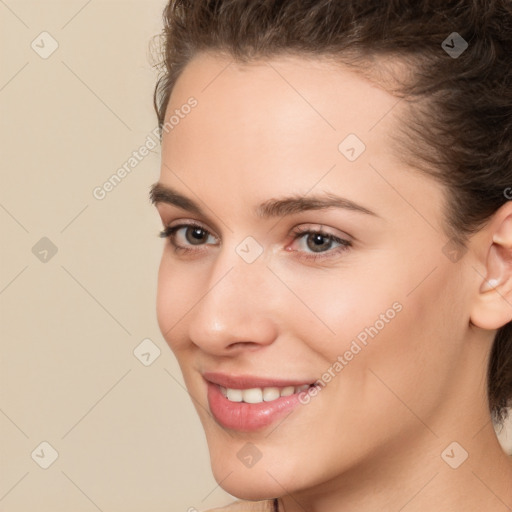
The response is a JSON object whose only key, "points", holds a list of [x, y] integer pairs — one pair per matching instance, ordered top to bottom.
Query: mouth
{"points": [[258, 395], [247, 403]]}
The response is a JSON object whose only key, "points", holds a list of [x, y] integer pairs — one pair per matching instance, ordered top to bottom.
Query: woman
{"points": [[337, 283]]}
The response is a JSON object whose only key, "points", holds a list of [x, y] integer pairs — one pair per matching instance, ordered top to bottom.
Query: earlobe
{"points": [[495, 269], [489, 285], [493, 305]]}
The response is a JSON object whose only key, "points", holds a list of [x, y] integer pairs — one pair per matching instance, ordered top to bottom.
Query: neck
{"points": [[421, 476]]}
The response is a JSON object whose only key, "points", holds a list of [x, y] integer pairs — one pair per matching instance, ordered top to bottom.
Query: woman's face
{"points": [[379, 319]]}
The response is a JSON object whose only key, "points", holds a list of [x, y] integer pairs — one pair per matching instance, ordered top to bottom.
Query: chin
{"points": [[264, 480], [249, 487]]}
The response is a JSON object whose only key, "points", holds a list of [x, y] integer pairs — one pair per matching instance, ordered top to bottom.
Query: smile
{"points": [[258, 395], [246, 404]]}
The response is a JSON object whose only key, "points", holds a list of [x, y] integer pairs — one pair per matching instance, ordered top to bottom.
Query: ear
{"points": [[492, 307]]}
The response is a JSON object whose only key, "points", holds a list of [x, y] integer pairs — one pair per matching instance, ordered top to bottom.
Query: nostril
{"points": [[243, 344]]}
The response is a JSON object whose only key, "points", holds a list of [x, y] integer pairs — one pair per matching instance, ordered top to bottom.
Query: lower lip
{"points": [[246, 417]]}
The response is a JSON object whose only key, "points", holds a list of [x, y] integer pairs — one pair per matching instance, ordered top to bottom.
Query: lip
{"points": [[249, 381], [245, 417]]}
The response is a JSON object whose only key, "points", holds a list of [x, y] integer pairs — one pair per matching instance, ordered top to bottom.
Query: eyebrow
{"points": [[272, 208]]}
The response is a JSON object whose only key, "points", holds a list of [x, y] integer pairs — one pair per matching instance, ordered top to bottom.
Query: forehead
{"points": [[324, 95], [274, 111], [289, 124]]}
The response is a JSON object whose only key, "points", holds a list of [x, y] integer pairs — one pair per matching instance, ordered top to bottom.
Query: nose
{"points": [[237, 310]]}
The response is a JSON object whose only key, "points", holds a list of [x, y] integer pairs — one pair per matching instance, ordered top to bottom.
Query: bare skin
{"points": [[379, 435]]}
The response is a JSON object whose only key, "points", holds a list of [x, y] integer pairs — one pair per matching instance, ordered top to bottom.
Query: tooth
{"points": [[301, 388], [223, 390], [288, 390], [270, 394], [234, 395], [253, 395]]}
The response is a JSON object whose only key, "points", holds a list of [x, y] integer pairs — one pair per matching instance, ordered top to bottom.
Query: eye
{"points": [[193, 234], [315, 240], [319, 243]]}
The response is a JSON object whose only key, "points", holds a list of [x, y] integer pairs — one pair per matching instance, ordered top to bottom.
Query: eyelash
{"points": [[170, 232]]}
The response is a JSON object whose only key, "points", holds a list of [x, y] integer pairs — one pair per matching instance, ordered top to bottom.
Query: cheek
{"points": [[173, 292], [163, 299], [339, 306], [404, 325], [414, 356]]}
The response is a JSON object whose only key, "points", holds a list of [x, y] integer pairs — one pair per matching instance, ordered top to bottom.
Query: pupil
{"points": [[197, 234], [318, 239]]}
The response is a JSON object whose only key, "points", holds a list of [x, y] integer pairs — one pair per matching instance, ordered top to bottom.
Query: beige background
{"points": [[127, 436]]}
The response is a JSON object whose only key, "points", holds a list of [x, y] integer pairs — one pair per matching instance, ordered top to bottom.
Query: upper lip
{"points": [[250, 381]]}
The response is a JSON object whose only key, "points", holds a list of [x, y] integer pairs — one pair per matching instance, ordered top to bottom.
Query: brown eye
{"points": [[197, 235], [182, 236], [317, 241], [317, 245]]}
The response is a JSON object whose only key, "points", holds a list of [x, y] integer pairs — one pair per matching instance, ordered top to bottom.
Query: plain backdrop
{"points": [[93, 412], [126, 434]]}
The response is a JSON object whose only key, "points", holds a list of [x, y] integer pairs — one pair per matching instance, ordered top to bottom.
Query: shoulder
{"points": [[246, 506]]}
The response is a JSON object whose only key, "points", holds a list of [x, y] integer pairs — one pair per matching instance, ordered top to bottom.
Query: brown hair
{"points": [[458, 128]]}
